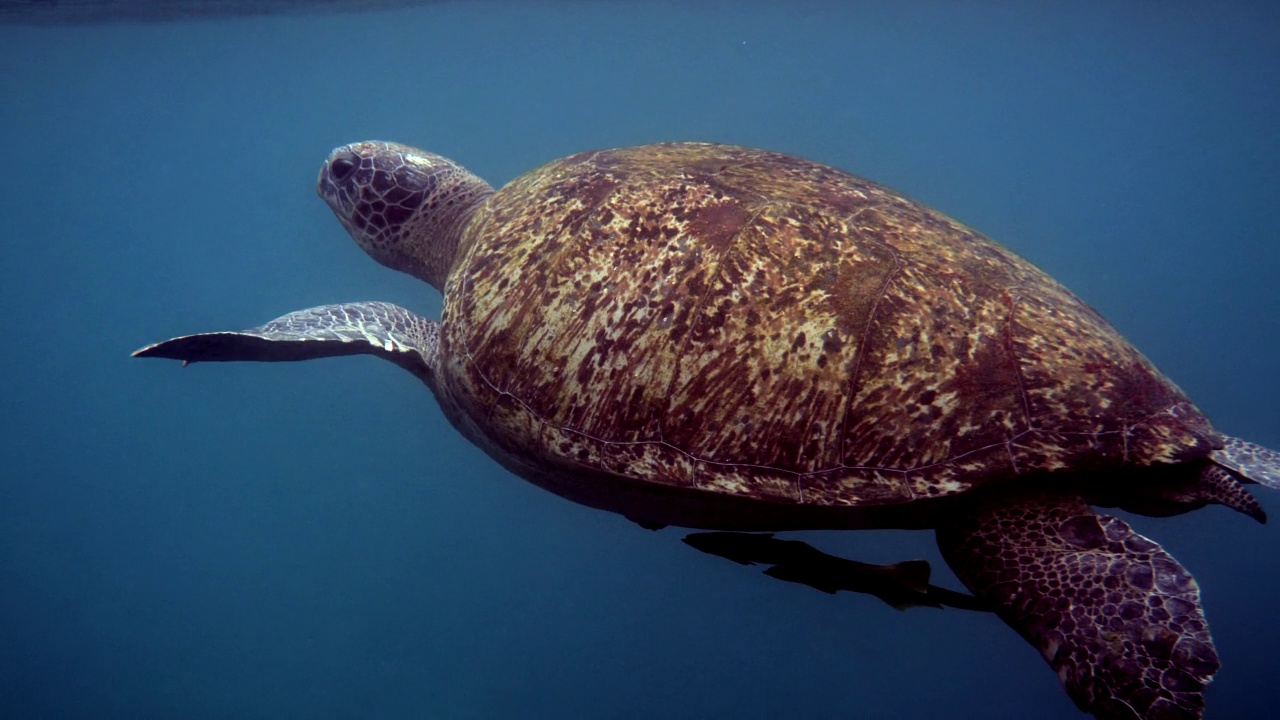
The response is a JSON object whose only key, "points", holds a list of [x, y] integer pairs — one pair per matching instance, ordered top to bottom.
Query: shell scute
{"points": [[764, 372]]}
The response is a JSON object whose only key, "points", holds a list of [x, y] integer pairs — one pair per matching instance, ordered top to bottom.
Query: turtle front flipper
{"points": [[366, 328], [1253, 462], [1114, 614]]}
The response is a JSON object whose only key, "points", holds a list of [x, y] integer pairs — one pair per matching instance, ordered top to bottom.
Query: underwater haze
{"points": [[314, 539]]}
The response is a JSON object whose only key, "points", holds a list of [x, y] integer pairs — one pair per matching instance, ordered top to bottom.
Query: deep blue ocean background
{"points": [[313, 539]]}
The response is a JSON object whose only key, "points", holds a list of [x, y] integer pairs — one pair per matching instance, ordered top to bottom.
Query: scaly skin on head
{"points": [[405, 207]]}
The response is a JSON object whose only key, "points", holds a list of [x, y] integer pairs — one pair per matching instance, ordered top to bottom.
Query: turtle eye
{"points": [[341, 168]]}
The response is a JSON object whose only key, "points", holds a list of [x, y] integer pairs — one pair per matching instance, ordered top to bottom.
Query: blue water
{"points": [[313, 540]]}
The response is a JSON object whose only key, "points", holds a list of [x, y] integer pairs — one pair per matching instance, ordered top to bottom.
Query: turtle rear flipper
{"points": [[365, 328], [1254, 462], [1173, 493], [1113, 613]]}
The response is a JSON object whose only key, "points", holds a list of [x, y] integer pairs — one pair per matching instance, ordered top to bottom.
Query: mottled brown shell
{"points": [[755, 324]]}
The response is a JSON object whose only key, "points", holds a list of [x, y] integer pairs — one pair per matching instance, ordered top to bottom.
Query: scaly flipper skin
{"points": [[365, 328], [1254, 462], [1218, 485], [1114, 614]]}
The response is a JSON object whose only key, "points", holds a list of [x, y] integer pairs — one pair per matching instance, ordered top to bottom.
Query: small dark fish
{"points": [[751, 548], [900, 585]]}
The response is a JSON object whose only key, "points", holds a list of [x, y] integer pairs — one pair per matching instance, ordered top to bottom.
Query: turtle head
{"points": [[405, 207]]}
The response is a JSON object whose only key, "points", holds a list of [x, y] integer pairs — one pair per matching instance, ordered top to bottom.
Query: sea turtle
{"points": [[725, 338]]}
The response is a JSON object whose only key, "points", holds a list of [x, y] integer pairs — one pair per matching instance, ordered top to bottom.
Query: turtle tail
{"points": [[1115, 615]]}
